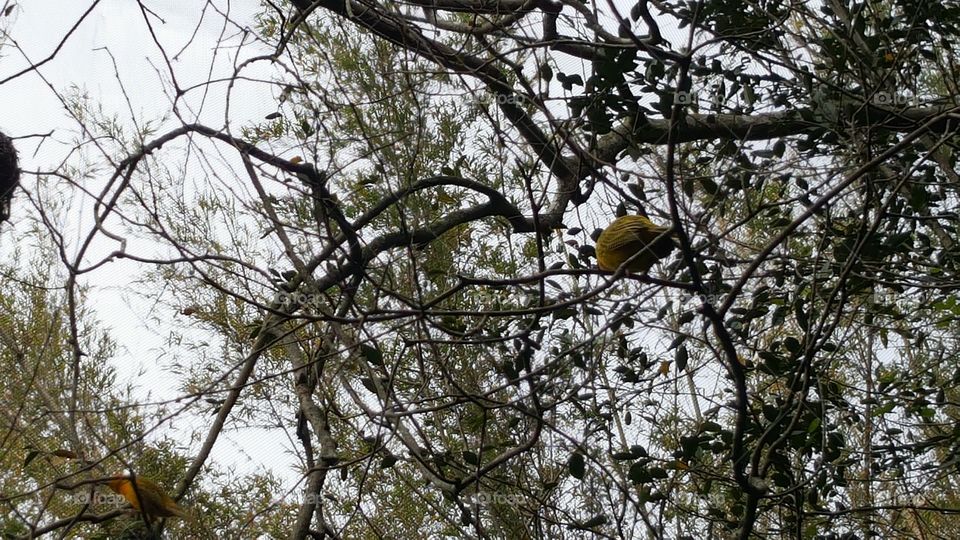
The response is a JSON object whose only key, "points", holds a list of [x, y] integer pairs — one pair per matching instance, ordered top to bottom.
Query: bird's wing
{"points": [[645, 232]]}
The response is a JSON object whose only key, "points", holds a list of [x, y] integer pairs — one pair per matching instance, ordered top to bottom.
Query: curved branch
{"points": [[696, 127]]}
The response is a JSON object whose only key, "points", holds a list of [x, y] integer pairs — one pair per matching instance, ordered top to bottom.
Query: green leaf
{"points": [[546, 72], [372, 354], [681, 358], [368, 383], [883, 409], [711, 427], [31, 455], [577, 466], [639, 474], [595, 521]]}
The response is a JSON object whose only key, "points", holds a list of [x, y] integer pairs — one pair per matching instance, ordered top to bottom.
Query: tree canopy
{"points": [[393, 271]]}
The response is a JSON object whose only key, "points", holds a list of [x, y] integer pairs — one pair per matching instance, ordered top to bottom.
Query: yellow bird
{"points": [[632, 235], [155, 503]]}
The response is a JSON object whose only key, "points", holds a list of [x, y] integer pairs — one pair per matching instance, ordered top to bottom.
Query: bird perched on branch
{"points": [[9, 175], [628, 236], [147, 497]]}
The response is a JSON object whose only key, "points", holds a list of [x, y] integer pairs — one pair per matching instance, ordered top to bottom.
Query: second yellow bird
{"points": [[632, 235], [148, 497]]}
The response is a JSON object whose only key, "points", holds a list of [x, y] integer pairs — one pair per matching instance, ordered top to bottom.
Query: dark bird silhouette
{"points": [[9, 175]]}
